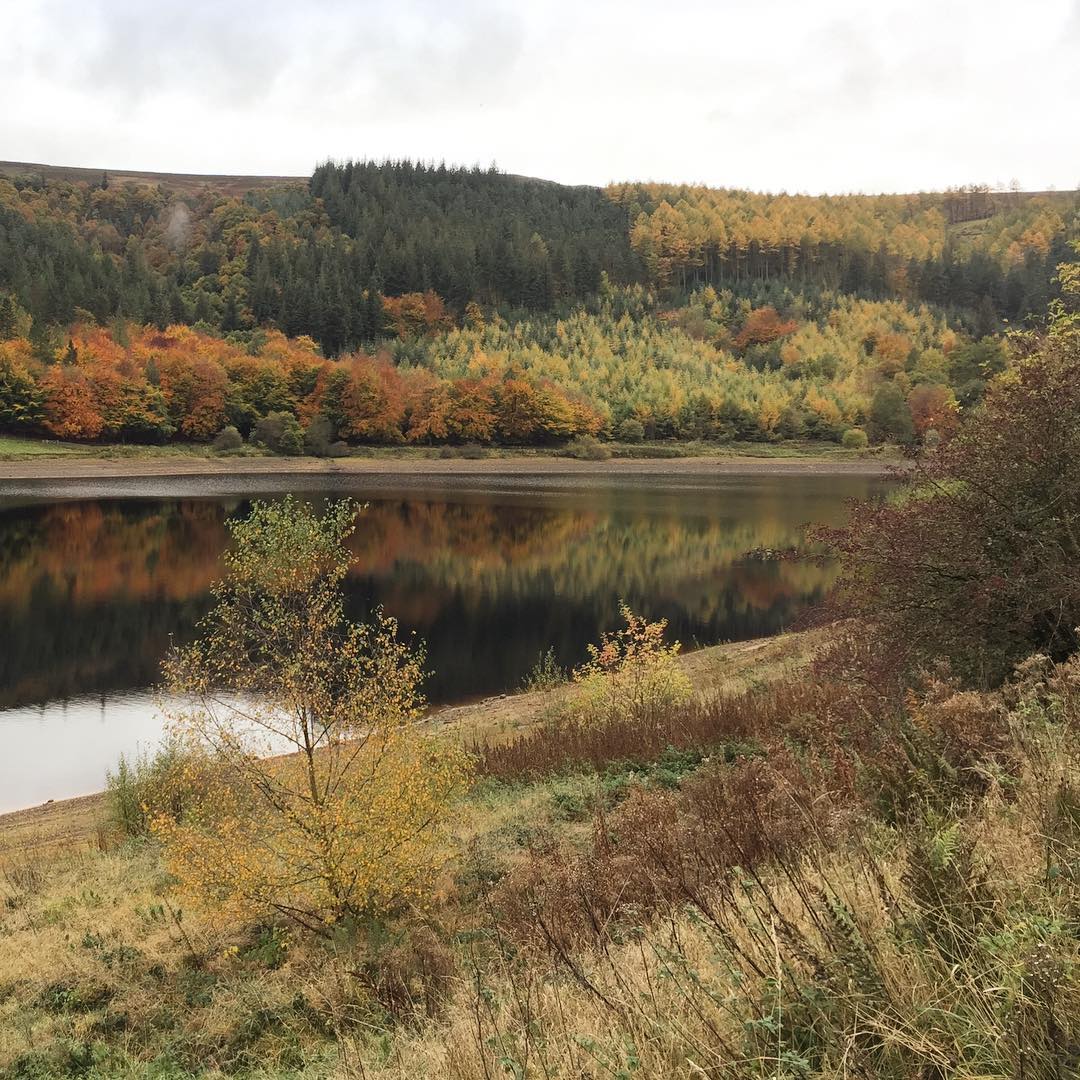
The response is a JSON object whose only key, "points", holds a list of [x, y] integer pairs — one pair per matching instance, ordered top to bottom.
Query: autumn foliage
{"points": [[416, 313], [762, 327], [181, 383], [977, 559], [632, 675], [324, 802]]}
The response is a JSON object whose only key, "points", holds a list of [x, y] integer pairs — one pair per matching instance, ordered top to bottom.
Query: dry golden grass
{"points": [[825, 967], [101, 970]]}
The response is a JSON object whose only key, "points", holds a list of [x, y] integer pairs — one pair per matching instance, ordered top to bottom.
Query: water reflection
{"points": [[91, 592], [63, 748]]}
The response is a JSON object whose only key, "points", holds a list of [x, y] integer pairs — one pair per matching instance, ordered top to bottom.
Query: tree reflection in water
{"points": [[90, 592]]}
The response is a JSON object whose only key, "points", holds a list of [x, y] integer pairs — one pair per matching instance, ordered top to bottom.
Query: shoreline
{"points": [[19, 477], [75, 820]]}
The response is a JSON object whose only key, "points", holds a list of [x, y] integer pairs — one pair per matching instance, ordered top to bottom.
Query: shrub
{"points": [[630, 430], [281, 433], [318, 436], [228, 438], [855, 439], [587, 448], [472, 451], [977, 560], [545, 674], [631, 675], [727, 725], [168, 783], [329, 801], [661, 847]]}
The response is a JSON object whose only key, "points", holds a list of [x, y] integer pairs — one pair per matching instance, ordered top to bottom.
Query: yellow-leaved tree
{"points": [[631, 675], [326, 802]]}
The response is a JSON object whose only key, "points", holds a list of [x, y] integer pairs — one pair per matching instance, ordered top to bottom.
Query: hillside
{"points": [[179, 183], [470, 305]]}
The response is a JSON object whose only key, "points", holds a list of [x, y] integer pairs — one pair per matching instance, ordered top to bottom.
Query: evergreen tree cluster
{"points": [[477, 234], [326, 259]]}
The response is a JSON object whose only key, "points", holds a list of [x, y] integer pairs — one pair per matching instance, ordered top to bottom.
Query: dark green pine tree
{"points": [[9, 321]]}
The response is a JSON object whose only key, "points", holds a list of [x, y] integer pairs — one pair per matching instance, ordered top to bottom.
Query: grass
{"points": [[14, 448], [789, 448], [806, 878], [120, 982]]}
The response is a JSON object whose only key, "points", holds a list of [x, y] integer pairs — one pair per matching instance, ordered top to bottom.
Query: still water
{"points": [[93, 590]]}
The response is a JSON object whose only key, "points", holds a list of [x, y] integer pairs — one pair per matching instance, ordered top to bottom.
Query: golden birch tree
{"points": [[327, 802]]}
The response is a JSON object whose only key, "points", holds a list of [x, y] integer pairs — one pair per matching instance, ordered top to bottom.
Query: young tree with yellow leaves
{"points": [[632, 674], [327, 803]]}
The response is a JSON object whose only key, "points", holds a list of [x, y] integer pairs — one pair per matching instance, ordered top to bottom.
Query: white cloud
{"points": [[834, 95]]}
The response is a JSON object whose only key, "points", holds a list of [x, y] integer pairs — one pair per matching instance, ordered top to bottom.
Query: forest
{"points": [[401, 302]]}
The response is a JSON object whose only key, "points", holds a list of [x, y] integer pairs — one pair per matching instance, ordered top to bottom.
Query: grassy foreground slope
{"points": [[715, 898], [105, 973]]}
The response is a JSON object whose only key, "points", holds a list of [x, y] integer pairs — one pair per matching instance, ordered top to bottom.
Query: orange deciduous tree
{"points": [[415, 313], [763, 326], [195, 392], [363, 398], [71, 406], [933, 407], [461, 410]]}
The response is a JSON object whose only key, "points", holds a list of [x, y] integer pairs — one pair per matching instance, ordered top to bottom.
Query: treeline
{"points": [[986, 256], [321, 259], [315, 260], [466, 305], [717, 368], [146, 385]]}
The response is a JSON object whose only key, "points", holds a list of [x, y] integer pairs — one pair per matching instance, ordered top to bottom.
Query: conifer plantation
{"points": [[400, 302]]}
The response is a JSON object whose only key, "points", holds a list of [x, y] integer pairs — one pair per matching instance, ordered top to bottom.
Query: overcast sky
{"points": [[796, 95]]}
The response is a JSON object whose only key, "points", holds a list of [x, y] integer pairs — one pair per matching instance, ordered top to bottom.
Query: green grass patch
{"points": [[13, 448], [18, 448]]}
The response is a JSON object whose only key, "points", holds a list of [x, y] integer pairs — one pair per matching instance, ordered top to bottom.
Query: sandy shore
{"points": [[59, 475]]}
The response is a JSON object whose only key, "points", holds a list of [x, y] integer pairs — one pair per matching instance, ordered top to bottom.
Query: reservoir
{"points": [[96, 583]]}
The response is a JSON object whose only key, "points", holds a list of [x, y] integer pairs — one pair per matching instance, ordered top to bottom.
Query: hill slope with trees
{"points": [[642, 310]]}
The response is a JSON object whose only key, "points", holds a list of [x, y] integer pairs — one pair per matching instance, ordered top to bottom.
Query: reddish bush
{"points": [[763, 326], [978, 560], [566, 746], [661, 847]]}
